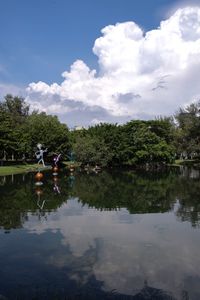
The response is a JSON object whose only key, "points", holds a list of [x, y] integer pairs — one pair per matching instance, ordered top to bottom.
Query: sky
{"points": [[92, 61]]}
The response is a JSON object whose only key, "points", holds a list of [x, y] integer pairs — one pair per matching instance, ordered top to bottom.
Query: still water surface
{"points": [[117, 235]]}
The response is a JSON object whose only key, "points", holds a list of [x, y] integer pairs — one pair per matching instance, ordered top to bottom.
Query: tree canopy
{"points": [[21, 130], [187, 135], [137, 142]]}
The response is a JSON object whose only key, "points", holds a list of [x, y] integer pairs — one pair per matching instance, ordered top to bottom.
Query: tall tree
{"points": [[13, 113], [47, 130], [188, 130]]}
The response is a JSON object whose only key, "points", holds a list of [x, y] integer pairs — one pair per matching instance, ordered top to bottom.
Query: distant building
{"points": [[78, 128]]}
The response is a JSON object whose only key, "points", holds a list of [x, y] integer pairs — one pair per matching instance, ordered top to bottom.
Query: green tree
{"points": [[16, 107], [13, 114], [47, 130], [21, 131], [187, 135], [109, 139], [142, 145], [91, 150]]}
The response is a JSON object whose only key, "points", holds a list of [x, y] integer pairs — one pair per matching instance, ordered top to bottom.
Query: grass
{"points": [[185, 162], [69, 163], [24, 168], [17, 169]]}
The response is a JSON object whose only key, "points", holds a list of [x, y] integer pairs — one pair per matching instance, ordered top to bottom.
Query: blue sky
{"points": [[41, 39]]}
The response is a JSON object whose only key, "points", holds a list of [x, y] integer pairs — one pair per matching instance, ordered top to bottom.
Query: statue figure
{"points": [[39, 154], [71, 156], [56, 159]]}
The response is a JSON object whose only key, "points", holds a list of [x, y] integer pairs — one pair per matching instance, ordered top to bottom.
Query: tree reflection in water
{"points": [[139, 193]]}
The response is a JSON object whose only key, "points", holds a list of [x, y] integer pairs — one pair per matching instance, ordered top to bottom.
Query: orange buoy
{"points": [[39, 176]]}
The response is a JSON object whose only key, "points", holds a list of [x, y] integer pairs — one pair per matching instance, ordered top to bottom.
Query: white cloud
{"points": [[140, 74]]}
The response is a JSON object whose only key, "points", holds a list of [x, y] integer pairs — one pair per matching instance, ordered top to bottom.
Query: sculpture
{"points": [[39, 154], [56, 159]]}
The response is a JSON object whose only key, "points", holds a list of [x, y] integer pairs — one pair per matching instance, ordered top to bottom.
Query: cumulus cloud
{"points": [[140, 75]]}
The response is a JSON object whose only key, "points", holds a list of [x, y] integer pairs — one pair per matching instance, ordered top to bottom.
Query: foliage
{"points": [[21, 131], [48, 131], [187, 135], [136, 143], [131, 144]]}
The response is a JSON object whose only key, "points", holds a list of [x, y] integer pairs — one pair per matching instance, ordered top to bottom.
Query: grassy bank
{"points": [[186, 162], [67, 164], [24, 168], [17, 169]]}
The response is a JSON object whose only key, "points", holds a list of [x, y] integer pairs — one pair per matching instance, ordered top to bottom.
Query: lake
{"points": [[110, 235]]}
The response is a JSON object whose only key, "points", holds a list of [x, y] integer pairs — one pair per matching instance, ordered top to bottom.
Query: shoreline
{"points": [[26, 168], [19, 169]]}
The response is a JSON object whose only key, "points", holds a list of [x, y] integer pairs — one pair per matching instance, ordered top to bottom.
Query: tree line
{"points": [[21, 130], [137, 142]]}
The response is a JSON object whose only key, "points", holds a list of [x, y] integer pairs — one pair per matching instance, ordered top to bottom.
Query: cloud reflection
{"points": [[153, 247]]}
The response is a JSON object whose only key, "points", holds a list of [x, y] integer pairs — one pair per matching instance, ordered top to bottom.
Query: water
{"points": [[112, 235]]}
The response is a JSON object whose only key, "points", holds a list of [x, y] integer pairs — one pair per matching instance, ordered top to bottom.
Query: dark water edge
{"points": [[108, 235]]}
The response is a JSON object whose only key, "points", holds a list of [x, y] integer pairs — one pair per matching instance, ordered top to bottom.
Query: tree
{"points": [[16, 107], [13, 114], [47, 130], [21, 131], [5, 132], [109, 135], [187, 135], [131, 144], [142, 145], [91, 150]]}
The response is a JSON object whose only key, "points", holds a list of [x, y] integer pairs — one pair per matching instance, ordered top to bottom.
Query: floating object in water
{"points": [[55, 171], [38, 177], [38, 183]]}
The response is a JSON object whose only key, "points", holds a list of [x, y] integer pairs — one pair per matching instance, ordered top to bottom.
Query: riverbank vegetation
{"points": [[137, 143]]}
